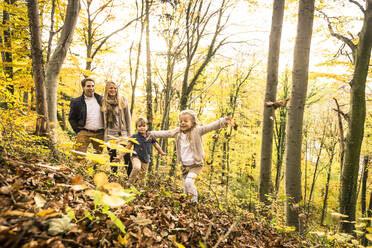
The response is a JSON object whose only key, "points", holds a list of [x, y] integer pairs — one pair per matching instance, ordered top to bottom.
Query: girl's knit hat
{"points": [[190, 112]]}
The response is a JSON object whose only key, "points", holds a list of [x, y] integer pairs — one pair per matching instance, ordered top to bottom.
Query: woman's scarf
{"points": [[111, 113]]}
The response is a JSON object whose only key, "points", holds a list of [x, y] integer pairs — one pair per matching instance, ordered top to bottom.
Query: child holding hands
{"points": [[189, 146], [141, 157]]}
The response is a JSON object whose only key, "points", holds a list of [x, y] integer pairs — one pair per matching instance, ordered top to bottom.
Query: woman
{"points": [[116, 117]]}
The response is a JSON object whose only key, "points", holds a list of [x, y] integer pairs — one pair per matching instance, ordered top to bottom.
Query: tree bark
{"points": [[7, 56], [58, 57], [296, 111], [357, 115], [42, 125], [364, 185], [266, 186]]}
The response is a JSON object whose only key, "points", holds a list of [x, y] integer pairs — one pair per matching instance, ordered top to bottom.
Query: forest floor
{"points": [[33, 194]]}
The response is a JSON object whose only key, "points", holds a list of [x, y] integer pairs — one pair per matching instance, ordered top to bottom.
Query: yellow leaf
{"points": [[97, 158], [100, 179], [79, 187], [116, 189], [92, 193], [113, 201], [45, 212], [338, 215], [369, 229], [369, 236], [123, 241], [179, 245]]}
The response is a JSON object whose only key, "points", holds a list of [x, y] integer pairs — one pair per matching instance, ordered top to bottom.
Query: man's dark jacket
{"points": [[78, 111]]}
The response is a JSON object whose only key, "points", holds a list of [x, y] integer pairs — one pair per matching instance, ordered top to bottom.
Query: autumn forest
{"points": [[281, 91]]}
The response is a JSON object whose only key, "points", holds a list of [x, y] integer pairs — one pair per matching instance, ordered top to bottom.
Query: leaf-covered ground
{"points": [[33, 194]]}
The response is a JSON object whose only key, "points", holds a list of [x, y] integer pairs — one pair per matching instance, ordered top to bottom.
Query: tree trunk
{"points": [[7, 56], [58, 57], [296, 111], [149, 112], [357, 115], [42, 125], [280, 136], [331, 152], [316, 169], [364, 185], [266, 186]]}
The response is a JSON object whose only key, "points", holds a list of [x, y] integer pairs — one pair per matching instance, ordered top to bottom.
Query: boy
{"points": [[141, 157]]}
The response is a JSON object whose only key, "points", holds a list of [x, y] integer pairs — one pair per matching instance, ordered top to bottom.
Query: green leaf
{"points": [[70, 213], [88, 215], [116, 221], [201, 244]]}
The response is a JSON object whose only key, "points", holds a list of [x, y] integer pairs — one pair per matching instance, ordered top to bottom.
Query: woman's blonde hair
{"points": [[120, 100]]}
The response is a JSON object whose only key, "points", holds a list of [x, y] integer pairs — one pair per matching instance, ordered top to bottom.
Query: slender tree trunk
{"points": [[51, 31], [7, 56], [296, 111], [149, 112], [357, 115], [42, 125], [316, 169], [364, 185], [265, 186], [325, 200]]}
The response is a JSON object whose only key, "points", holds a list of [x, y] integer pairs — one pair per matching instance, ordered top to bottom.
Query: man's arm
{"points": [[73, 115]]}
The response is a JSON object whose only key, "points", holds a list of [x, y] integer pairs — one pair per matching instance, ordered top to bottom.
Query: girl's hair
{"points": [[120, 100], [192, 114], [142, 120]]}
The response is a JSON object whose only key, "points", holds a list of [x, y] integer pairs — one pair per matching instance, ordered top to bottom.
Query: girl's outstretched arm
{"points": [[223, 122], [164, 133]]}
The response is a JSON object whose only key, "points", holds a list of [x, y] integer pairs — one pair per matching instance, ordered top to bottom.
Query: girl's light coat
{"points": [[196, 141]]}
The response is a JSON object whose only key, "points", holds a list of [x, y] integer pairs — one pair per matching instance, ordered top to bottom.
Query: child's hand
{"points": [[228, 119], [149, 136], [163, 154], [116, 159]]}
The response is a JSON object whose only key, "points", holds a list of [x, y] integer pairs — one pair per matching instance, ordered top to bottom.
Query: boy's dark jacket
{"points": [[78, 111]]}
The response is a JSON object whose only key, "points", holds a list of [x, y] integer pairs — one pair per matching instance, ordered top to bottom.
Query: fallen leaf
{"points": [[100, 179], [77, 180], [79, 187], [39, 200], [113, 201], [45, 212], [17, 213], [141, 220], [59, 225]]}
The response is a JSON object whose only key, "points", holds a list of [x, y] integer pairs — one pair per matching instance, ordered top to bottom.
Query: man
{"points": [[85, 117]]}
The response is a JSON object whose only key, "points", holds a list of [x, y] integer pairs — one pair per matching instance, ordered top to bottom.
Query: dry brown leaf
{"points": [[77, 180], [17, 213]]}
